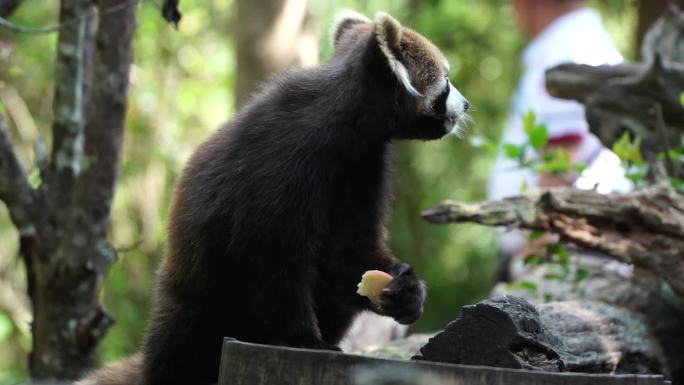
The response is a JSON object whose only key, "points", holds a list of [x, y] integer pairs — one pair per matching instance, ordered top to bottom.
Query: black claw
{"points": [[404, 297]]}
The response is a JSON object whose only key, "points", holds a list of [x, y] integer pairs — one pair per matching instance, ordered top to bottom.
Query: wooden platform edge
{"points": [[244, 363]]}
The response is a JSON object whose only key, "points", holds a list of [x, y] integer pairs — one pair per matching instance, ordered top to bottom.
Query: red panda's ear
{"points": [[345, 21], [388, 33]]}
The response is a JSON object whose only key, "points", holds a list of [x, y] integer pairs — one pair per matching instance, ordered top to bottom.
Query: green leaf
{"points": [[681, 98], [529, 121], [537, 133], [539, 137], [621, 146], [627, 150], [513, 151], [637, 158], [557, 161], [579, 167], [34, 177], [678, 184], [536, 234], [563, 254], [533, 260], [565, 268], [581, 275], [555, 276], [529, 285], [6, 326]]}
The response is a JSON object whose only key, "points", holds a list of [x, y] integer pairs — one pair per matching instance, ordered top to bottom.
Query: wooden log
{"points": [[644, 228], [637, 291], [574, 336], [252, 364]]}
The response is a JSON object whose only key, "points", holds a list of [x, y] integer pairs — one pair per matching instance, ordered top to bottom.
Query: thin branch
{"points": [[8, 25], [12, 27], [67, 107], [106, 115], [662, 130], [15, 189], [645, 227]]}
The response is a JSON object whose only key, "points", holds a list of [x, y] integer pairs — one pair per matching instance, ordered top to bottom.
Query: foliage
{"points": [[182, 88], [629, 153]]}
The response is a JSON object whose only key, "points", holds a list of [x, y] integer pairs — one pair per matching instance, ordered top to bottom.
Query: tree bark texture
{"points": [[649, 12], [271, 36], [643, 98], [63, 222], [644, 228], [636, 291], [583, 336], [253, 364]]}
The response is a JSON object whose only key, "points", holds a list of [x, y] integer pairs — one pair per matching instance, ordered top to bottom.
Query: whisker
{"points": [[462, 125]]}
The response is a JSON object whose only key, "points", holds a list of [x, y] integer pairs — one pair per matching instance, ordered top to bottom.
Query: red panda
{"points": [[279, 213]]}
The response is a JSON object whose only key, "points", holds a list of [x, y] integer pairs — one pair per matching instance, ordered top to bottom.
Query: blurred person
{"points": [[562, 31]]}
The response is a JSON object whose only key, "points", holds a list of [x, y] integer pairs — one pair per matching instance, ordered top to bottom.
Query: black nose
{"points": [[466, 106]]}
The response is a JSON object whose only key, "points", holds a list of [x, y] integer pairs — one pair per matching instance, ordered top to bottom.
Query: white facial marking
{"points": [[397, 67], [455, 103], [455, 108]]}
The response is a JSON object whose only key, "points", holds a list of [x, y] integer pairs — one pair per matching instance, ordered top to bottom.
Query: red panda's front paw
{"points": [[404, 297]]}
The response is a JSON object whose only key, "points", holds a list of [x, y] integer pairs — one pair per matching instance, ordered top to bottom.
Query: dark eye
{"points": [[439, 106]]}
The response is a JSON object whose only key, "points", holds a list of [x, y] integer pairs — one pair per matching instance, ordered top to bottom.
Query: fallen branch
{"points": [[644, 228]]}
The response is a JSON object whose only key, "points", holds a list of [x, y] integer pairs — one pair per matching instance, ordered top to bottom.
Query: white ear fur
{"points": [[344, 19], [388, 33]]}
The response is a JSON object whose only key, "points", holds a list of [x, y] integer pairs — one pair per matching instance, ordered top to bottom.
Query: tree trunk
{"points": [[649, 12], [271, 36], [64, 222]]}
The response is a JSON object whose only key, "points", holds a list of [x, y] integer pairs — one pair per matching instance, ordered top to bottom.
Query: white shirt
{"points": [[576, 37]]}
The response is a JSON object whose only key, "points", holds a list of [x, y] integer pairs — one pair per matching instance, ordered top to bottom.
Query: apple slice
{"points": [[372, 283]]}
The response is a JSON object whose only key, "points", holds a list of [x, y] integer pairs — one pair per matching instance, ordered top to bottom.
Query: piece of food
{"points": [[372, 283]]}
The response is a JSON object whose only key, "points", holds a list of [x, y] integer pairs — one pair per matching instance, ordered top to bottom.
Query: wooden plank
{"points": [[252, 364]]}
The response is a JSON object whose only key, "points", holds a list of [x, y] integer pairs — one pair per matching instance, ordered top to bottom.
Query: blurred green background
{"points": [[182, 87]]}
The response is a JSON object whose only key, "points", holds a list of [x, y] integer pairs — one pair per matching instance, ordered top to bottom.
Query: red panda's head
{"points": [[419, 67]]}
